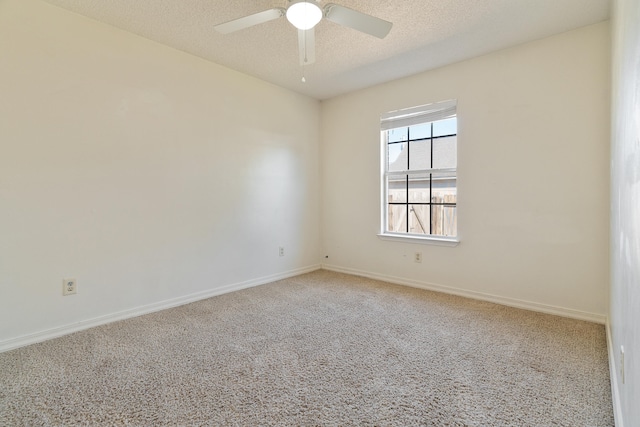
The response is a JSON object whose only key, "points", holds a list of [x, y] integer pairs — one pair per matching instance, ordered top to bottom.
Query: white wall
{"points": [[145, 173], [533, 177], [625, 210]]}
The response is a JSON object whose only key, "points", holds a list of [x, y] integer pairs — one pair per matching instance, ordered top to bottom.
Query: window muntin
{"points": [[419, 176]]}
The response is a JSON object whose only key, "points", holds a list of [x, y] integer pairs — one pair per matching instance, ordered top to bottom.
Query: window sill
{"points": [[412, 238]]}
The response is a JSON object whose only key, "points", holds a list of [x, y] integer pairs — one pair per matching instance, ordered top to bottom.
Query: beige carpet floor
{"points": [[322, 349]]}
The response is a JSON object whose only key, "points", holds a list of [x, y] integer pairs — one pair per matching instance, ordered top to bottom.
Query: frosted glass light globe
{"points": [[304, 15]]}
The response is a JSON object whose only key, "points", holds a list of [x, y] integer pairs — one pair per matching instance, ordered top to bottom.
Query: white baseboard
{"points": [[511, 302], [59, 331], [615, 392]]}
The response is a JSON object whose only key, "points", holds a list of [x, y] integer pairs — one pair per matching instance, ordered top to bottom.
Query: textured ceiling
{"points": [[426, 34]]}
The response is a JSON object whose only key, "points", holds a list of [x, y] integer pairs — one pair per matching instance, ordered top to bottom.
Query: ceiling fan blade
{"points": [[250, 20], [357, 20], [307, 46]]}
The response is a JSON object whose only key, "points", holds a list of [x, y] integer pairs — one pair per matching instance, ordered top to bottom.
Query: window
{"points": [[419, 172]]}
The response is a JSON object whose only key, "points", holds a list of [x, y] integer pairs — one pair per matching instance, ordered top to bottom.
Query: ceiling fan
{"points": [[304, 15]]}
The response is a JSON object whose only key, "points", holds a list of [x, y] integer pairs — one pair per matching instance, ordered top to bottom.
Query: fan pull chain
{"points": [[304, 44]]}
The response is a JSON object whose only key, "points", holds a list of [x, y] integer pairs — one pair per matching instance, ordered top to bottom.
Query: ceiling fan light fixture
{"points": [[304, 15]]}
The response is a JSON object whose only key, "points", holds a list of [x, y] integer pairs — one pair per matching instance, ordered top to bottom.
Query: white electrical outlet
{"points": [[281, 251], [417, 257], [69, 286], [622, 363]]}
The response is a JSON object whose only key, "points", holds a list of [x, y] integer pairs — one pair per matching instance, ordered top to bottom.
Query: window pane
{"points": [[445, 127], [420, 131], [398, 134], [445, 153], [420, 155], [398, 159], [397, 189], [419, 189], [444, 190], [421, 196], [419, 219], [444, 220], [397, 221]]}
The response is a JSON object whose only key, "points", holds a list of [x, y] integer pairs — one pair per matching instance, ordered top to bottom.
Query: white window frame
{"points": [[406, 118]]}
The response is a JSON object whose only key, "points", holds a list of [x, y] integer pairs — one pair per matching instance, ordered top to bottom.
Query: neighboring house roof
{"points": [[445, 154]]}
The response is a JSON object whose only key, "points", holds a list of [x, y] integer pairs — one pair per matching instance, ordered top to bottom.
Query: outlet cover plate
{"points": [[69, 286]]}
